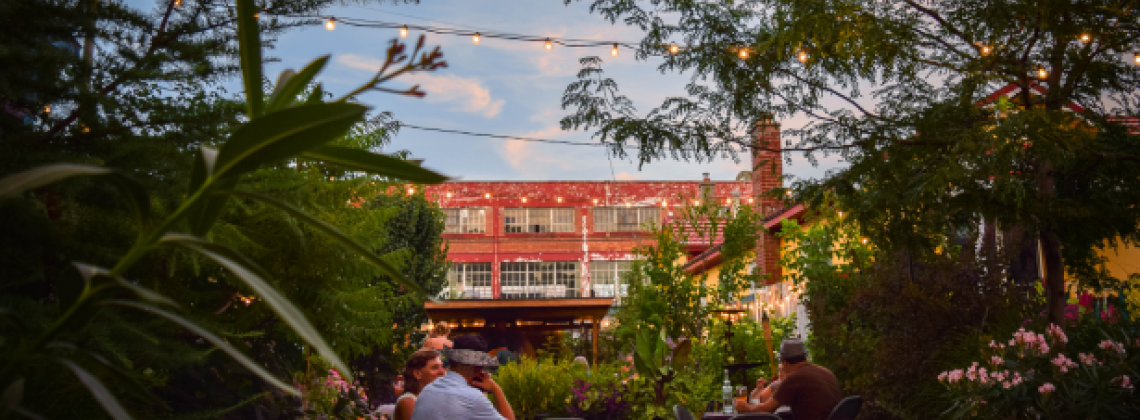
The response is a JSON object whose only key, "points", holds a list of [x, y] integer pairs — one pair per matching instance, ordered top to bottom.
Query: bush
{"points": [[1035, 376], [535, 387], [601, 395]]}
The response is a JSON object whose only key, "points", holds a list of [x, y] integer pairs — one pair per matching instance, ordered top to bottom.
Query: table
{"points": [[783, 413]]}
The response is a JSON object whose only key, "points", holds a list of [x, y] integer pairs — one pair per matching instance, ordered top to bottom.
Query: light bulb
{"points": [[177, 3], [257, 15], [330, 24], [404, 32], [1085, 37], [476, 38], [549, 46], [673, 48], [985, 50], [614, 51], [743, 53], [803, 57], [1136, 58], [1042, 73], [47, 109], [411, 191], [449, 194], [487, 195], [524, 199], [559, 199], [750, 199], [595, 201], [728, 201], [696, 202], [664, 203], [864, 241]]}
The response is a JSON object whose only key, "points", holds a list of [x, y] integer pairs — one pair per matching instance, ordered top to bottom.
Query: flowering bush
{"points": [[1043, 376], [332, 397], [606, 399]]}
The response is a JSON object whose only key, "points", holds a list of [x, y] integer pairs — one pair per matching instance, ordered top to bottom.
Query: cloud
{"points": [[465, 94], [536, 160], [626, 176]]}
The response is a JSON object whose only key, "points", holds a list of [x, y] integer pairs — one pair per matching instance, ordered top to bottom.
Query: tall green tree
{"points": [[899, 90]]}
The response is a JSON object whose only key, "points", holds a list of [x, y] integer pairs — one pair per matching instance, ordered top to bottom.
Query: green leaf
{"points": [[249, 51], [291, 85], [317, 96], [284, 134], [375, 163], [135, 195], [339, 236], [89, 272], [254, 276], [213, 339], [681, 353], [92, 359], [100, 392]]}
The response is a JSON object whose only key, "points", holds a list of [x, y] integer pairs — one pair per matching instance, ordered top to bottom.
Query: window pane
{"points": [[625, 219], [464, 220]]}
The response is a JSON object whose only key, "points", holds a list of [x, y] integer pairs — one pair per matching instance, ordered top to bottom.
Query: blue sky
{"points": [[500, 87]]}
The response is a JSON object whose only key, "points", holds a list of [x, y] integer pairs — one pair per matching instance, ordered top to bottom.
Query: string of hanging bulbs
{"points": [[743, 52]]}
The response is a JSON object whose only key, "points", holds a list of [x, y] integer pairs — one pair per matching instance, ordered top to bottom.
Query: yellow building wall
{"points": [[1122, 261]]}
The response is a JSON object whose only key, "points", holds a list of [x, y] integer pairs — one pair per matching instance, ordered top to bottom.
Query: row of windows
{"points": [[552, 220], [535, 280]]}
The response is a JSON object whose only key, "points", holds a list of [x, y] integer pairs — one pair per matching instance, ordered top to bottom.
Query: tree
{"points": [[926, 154], [663, 295], [55, 336]]}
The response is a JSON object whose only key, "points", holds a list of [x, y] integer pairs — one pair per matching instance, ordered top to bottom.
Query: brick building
{"points": [[573, 239]]}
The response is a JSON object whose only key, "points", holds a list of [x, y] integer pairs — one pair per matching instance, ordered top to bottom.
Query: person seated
{"points": [[438, 340], [502, 354], [423, 367], [764, 389], [811, 391], [459, 393]]}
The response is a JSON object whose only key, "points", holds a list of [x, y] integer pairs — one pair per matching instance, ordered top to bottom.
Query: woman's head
{"points": [[441, 329], [422, 367]]}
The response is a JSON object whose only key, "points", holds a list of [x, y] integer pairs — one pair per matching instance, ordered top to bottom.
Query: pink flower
{"points": [[1057, 333], [1109, 344], [1087, 359], [995, 360], [1063, 362], [954, 375], [942, 376], [1125, 381], [1006, 384], [1046, 388]]}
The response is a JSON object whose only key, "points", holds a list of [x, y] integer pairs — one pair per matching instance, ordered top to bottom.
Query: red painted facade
{"points": [[584, 243]]}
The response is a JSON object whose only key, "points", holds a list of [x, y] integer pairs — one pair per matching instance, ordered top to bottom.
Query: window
{"points": [[628, 219], [464, 220], [538, 220], [606, 278], [536, 280], [469, 281]]}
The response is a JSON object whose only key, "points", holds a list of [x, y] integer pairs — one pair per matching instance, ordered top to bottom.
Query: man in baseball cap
{"points": [[811, 391], [459, 393]]}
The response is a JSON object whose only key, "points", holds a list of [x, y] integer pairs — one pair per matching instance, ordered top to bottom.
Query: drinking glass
{"points": [[742, 393]]}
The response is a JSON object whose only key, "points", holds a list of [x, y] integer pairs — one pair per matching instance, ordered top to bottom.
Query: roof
{"points": [[711, 257]]}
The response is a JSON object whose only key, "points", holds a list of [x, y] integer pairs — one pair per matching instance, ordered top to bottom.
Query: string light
{"points": [[177, 3], [257, 15], [330, 24], [404, 32], [476, 38], [1085, 38], [549, 46], [673, 49], [985, 50], [614, 51], [743, 53], [803, 57], [1136, 58], [1042, 73], [47, 109], [411, 191], [449, 194], [487, 195], [524, 199], [559, 199], [750, 200], [595, 201], [728, 201], [696, 202], [664, 203], [628, 204], [864, 241]]}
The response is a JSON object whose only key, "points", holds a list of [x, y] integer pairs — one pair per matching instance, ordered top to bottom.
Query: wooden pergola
{"points": [[499, 316]]}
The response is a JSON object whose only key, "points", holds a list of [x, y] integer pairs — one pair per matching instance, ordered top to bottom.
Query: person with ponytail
{"points": [[421, 369]]}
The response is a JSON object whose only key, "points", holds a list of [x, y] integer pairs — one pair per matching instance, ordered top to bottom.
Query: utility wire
{"points": [[498, 136]]}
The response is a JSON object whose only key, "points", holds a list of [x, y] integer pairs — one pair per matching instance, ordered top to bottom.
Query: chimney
{"points": [[767, 174], [708, 188]]}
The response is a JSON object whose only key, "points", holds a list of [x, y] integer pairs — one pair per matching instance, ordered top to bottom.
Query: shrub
{"points": [[1046, 376], [539, 387], [600, 397]]}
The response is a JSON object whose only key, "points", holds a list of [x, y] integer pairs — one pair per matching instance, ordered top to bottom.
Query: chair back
{"points": [[714, 406], [847, 409], [682, 413], [755, 416]]}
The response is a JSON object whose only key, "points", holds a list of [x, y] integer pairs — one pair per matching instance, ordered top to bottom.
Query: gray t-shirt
{"points": [[449, 398]]}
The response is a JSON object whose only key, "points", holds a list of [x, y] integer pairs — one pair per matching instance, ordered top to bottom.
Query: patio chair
{"points": [[847, 409], [682, 413], [755, 416]]}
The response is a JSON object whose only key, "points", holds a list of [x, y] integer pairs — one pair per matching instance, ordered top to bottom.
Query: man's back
{"points": [[811, 391], [449, 397]]}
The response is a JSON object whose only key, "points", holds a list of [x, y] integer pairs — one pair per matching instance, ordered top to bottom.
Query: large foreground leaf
{"points": [[286, 92], [285, 134], [376, 164], [135, 195], [336, 234], [254, 276], [213, 339], [100, 392]]}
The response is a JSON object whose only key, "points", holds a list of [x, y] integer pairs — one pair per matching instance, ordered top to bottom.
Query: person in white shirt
{"points": [[422, 368], [458, 395]]}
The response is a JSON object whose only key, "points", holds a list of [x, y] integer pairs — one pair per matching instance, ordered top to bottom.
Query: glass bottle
{"points": [[726, 395]]}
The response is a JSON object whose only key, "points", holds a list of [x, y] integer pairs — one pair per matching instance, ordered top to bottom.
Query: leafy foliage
{"points": [[63, 329], [536, 387]]}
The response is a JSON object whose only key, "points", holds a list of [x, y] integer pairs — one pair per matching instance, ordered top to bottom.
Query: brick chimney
{"points": [[767, 174]]}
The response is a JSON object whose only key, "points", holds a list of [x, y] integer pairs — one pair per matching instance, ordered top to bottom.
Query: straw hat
{"points": [[471, 357]]}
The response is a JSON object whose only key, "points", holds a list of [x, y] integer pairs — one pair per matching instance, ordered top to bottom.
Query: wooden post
{"points": [[594, 328]]}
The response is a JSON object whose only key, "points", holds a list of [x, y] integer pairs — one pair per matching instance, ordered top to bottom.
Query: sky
{"points": [[501, 87]]}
